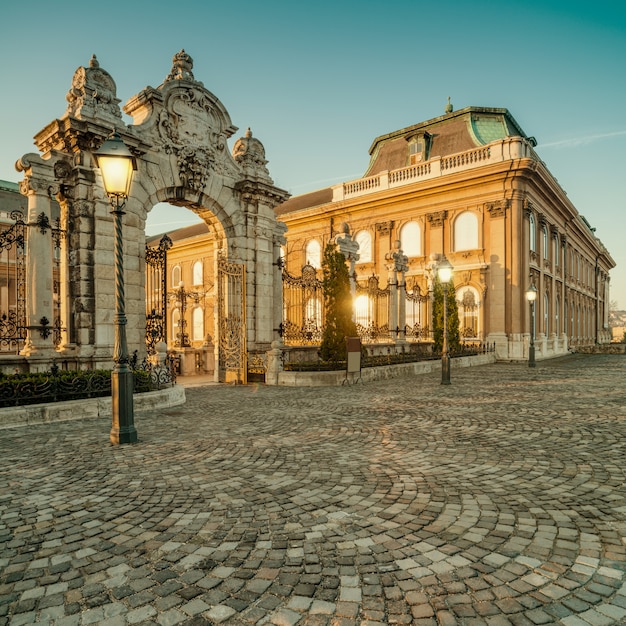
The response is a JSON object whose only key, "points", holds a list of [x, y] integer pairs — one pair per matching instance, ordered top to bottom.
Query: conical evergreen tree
{"points": [[338, 305], [454, 340]]}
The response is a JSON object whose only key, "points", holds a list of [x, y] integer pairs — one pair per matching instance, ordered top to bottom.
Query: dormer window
{"points": [[418, 148]]}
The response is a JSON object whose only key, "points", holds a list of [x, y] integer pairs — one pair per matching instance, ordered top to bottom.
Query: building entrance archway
{"points": [[179, 136]]}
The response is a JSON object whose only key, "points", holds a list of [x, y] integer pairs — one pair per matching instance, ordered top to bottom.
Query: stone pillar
{"points": [[37, 187], [277, 285], [397, 297]]}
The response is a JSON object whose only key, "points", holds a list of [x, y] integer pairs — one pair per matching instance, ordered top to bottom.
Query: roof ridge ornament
{"points": [[182, 64], [449, 107]]}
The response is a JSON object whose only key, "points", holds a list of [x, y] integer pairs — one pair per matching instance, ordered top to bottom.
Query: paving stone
{"points": [[494, 500]]}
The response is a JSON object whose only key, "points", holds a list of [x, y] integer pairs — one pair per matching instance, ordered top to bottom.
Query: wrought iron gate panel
{"points": [[13, 285], [156, 293], [231, 303], [303, 308], [372, 311], [416, 327]]}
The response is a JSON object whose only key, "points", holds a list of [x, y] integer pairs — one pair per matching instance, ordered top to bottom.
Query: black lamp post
{"points": [[116, 165], [444, 271], [531, 296]]}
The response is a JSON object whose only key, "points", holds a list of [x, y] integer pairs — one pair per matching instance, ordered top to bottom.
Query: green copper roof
{"points": [[487, 128], [9, 186]]}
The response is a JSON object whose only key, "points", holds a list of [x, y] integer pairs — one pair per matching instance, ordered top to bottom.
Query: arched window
{"points": [[466, 231], [532, 233], [364, 239], [411, 239], [546, 242], [557, 252], [313, 253], [197, 274], [176, 276], [469, 307], [546, 314], [557, 315], [197, 324], [175, 334]]}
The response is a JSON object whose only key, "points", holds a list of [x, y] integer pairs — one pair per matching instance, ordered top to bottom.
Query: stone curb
{"points": [[11, 417]]}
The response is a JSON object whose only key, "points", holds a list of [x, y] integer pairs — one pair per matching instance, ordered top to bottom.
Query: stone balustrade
{"points": [[495, 152]]}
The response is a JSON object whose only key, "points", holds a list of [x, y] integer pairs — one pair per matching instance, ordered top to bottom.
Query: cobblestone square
{"points": [[499, 499]]}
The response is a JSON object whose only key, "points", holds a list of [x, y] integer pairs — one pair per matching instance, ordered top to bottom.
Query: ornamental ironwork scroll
{"points": [[13, 285], [156, 295], [231, 303], [303, 308], [372, 311], [416, 313]]}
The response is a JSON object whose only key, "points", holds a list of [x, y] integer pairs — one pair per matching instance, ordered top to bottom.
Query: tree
{"points": [[338, 305], [454, 340]]}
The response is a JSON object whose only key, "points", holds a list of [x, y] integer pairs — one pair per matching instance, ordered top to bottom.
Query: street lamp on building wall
{"points": [[116, 165], [444, 272], [531, 296]]}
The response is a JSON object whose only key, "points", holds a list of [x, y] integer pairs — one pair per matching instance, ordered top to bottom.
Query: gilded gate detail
{"points": [[231, 302]]}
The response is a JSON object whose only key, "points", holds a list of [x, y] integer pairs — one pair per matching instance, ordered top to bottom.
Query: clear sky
{"points": [[318, 81]]}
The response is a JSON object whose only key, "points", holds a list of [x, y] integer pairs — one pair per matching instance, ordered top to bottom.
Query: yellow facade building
{"points": [[468, 186]]}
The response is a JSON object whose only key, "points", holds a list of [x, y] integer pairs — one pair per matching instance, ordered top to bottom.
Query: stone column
{"points": [[37, 187], [397, 309]]}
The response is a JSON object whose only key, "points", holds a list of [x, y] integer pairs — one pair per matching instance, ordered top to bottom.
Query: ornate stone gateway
{"points": [[179, 136]]}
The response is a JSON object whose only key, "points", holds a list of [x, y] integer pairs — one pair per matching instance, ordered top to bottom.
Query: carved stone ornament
{"points": [[182, 64], [93, 94], [194, 126], [249, 153], [62, 169], [497, 209], [437, 219], [384, 228], [400, 261]]}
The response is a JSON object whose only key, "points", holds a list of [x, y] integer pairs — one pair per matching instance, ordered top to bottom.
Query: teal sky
{"points": [[316, 82]]}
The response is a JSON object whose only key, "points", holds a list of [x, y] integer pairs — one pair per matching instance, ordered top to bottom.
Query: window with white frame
{"points": [[466, 231], [532, 233], [364, 239], [411, 239], [546, 242], [313, 253], [197, 274], [176, 276], [546, 314], [176, 324], [197, 324]]}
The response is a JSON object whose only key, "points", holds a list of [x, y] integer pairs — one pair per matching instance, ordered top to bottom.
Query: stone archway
{"points": [[179, 135]]}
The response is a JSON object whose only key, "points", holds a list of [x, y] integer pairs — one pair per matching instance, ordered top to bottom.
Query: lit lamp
{"points": [[116, 165], [444, 272], [531, 296]]}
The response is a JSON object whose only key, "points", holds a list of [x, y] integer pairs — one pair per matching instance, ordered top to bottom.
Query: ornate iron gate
{"points": [[13, 285], [156, 293], [231, 303], [303, 308], [372, 311], [416, 327]]}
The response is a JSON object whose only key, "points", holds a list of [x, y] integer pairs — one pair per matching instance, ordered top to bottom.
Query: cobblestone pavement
{"points": [[499, 499]]}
